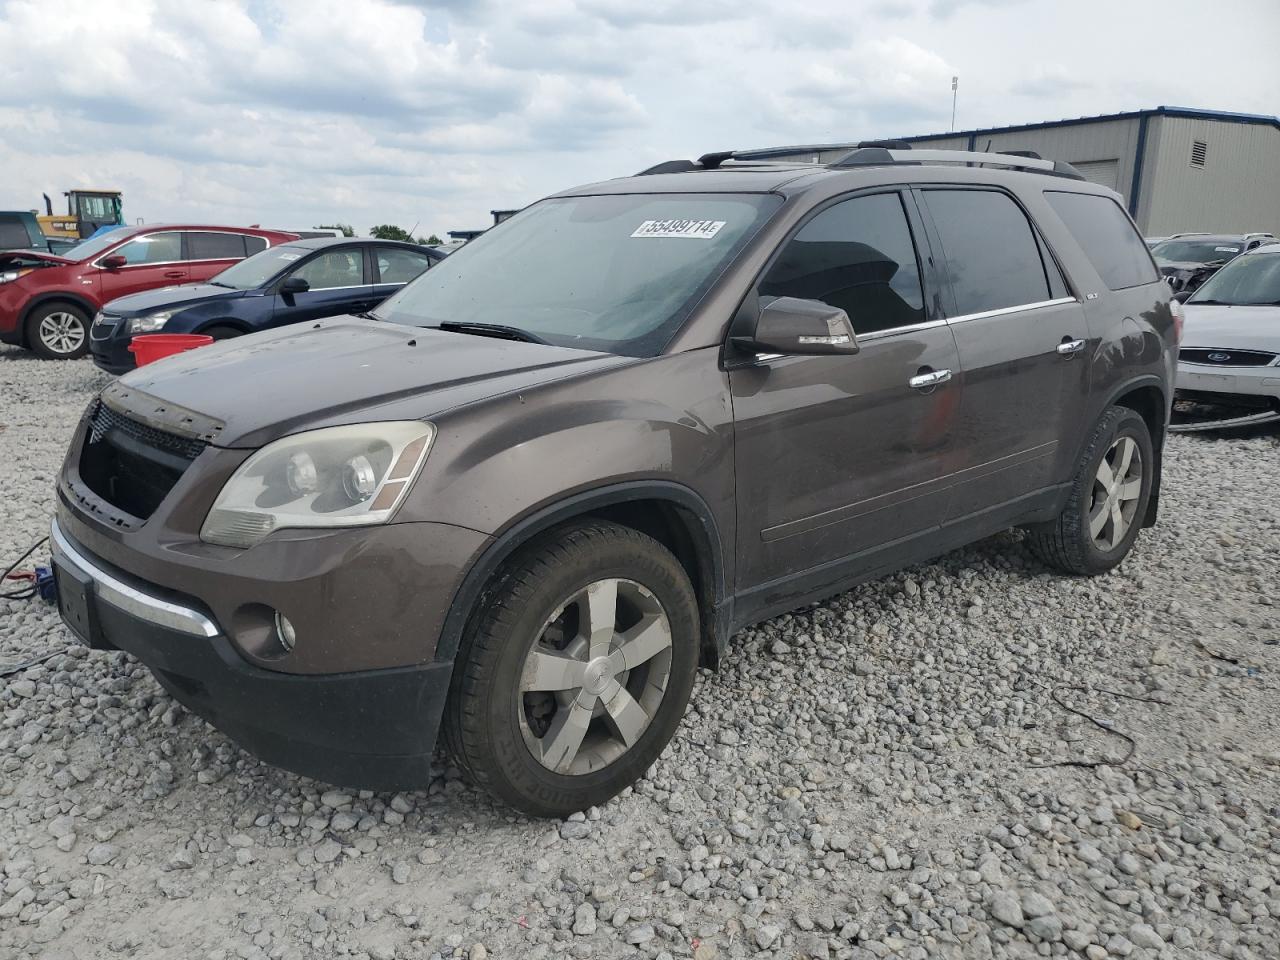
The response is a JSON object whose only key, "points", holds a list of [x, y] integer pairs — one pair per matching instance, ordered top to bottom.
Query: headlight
{"points": [[8, 276], [150, 323], [336, 477]]}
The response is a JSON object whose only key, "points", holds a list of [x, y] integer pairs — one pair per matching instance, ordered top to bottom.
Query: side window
{"points": [[13, 234], [1107, 237], [254, 245], [215, 246], [153, 248], [992, 254], [858, 256], [400, 266], [337, 268]]}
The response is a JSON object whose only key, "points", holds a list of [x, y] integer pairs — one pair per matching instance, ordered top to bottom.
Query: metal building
{"points": [[1179, 169]]}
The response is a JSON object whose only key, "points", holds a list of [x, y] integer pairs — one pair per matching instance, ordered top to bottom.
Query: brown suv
{"points": [[545, 481]]}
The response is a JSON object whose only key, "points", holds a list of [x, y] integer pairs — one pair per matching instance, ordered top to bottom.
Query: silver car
{"points": [[1229, 360]]}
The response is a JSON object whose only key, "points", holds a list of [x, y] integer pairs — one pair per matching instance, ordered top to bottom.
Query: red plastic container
{"points": [[157, 346]]}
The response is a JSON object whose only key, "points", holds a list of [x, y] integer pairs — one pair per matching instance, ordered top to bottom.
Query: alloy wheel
{"points": [[61, 332], [1117, 488], [595, 677]]}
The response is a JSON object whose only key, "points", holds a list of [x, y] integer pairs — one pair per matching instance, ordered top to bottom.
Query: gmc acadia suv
{"points": [[520, 502]]}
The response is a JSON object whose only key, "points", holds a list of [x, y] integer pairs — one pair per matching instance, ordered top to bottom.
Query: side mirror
{"points": [[114, 262], [294, 285], [790, 325]]}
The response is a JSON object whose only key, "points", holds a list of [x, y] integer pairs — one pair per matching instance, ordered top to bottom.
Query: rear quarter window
{"points": [[13, 234], [1107, 236]]}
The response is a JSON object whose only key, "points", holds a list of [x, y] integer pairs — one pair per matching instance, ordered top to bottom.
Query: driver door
{"points": [[339, 283], [837, 456]]}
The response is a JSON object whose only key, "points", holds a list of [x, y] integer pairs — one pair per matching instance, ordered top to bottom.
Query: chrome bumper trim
{"points": [[120, 595]]}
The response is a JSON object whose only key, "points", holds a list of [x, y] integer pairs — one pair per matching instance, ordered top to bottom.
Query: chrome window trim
{"points": [[168, 263], [1002, 311], [129, 599]]}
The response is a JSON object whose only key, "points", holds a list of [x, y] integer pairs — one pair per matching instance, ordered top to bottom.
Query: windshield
{"points": [[91, 248], [1195, 251], [253, 272], [618, 274], [1252, 280]]}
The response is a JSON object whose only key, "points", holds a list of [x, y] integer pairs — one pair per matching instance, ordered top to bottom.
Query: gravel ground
{"points": [[972, 758]]}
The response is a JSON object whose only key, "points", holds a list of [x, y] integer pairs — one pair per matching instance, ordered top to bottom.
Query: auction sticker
{"points": [[687, 229]]}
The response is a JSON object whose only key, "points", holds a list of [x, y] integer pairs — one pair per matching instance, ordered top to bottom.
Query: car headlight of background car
{"points": [[8, 276], [150, 323], [334, 477]]}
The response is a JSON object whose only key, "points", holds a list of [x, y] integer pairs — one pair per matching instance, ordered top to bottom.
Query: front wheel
{"points": [[58, 331], [1108, 499], [577, 672]]}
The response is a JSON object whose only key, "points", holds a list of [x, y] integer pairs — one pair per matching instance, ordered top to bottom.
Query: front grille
{"points": [[104, 325], [1226, 357], [130, 465]]}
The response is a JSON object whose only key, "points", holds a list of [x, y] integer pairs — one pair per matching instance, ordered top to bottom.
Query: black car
{"points": [[1188, 260], [303, 280]]}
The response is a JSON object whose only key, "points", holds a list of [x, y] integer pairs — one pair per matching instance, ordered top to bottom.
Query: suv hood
{"points": [[11, 258], [187, 295], [1243, 328], [268, 385]]}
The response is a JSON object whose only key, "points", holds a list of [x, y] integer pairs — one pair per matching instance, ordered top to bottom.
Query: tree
{"points": [[389, 231], [431, 241]]}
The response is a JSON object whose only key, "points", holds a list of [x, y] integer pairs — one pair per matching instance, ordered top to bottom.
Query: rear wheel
{"points": [[58, 331], [1108, 499], [577, 672]]}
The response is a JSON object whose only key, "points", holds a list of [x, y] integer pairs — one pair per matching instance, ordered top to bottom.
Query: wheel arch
{"points": [[53, 296], [238, 325], [1148, 397], [673, 514]]}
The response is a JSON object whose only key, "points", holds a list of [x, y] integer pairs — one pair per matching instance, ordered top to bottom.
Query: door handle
{"points": [[174, 274], [1069, 348], [931, 378]]}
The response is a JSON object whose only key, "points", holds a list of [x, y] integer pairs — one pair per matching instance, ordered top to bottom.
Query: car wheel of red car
{"points": [[58, 331]]}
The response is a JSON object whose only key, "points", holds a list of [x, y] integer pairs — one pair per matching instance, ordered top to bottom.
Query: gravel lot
{"points": [[884, 774]]}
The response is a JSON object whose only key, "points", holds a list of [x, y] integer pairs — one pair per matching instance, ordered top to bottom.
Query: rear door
{"points": [[209, 252], [152, 260], [394, 267], [339, 283], [1022, 338], [838, 455]]}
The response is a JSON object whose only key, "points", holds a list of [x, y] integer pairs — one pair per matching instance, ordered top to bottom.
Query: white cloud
{"points": [[296, 112]]}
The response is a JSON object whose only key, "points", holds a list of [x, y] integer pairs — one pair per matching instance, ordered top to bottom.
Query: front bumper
{"points": [[109, 345], [1250, 381], [373, 729]]}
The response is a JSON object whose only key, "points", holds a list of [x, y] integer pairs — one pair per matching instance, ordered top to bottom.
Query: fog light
{"points": [[284, 631]]}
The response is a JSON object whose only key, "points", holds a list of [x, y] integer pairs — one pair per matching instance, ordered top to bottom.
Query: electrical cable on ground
{"points": [[26, 593]]}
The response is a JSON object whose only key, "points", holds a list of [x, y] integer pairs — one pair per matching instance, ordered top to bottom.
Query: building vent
{"points": [[1198, 150]]}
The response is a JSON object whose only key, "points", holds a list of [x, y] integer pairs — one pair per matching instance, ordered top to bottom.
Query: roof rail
{"points": [[878, 156]]}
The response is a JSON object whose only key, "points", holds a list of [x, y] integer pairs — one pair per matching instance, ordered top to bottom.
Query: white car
{"points": [[1229, 360]]}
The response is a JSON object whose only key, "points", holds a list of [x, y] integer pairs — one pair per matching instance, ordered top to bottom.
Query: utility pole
{"points": [[955, 82]]}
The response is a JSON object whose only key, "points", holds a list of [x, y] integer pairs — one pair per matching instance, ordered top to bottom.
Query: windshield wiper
{"points": [[215, 283], [1212, 303], [498, 330]]}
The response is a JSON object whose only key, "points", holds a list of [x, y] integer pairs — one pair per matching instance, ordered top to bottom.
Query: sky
{"points": [[430, 113]]}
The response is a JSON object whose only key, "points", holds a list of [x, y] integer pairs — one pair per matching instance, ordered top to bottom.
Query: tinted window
{"points": [[13, 234], [1107, 237], [254, 245], [215, 246], [153, 248], [992, 254], [858, 256], [400, 266], [337, 268], [1057, 283]]}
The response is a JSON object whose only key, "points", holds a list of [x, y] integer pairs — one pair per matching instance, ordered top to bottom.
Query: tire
{"points": [[58, 331], [222, 332], [1073, 543], [503, 715]]}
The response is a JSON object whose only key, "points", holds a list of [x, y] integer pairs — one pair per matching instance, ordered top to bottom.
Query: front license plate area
{"points": [[76, 603]]}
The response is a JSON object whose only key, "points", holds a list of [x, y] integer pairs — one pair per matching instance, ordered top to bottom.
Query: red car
{"points": [[47, 302]]}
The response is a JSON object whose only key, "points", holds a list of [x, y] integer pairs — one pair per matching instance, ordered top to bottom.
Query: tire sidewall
{"points": [[33, 330], [1128, 424], [519, 775]]}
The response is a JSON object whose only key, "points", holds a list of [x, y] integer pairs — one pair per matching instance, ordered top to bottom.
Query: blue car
{"points": [[290, 283]]}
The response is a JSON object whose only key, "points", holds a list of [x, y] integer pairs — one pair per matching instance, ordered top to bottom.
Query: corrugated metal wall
{"points": [[1237, 189]]}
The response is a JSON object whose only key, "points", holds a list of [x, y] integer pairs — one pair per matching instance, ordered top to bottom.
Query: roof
{"points": [[1187, 112]]}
